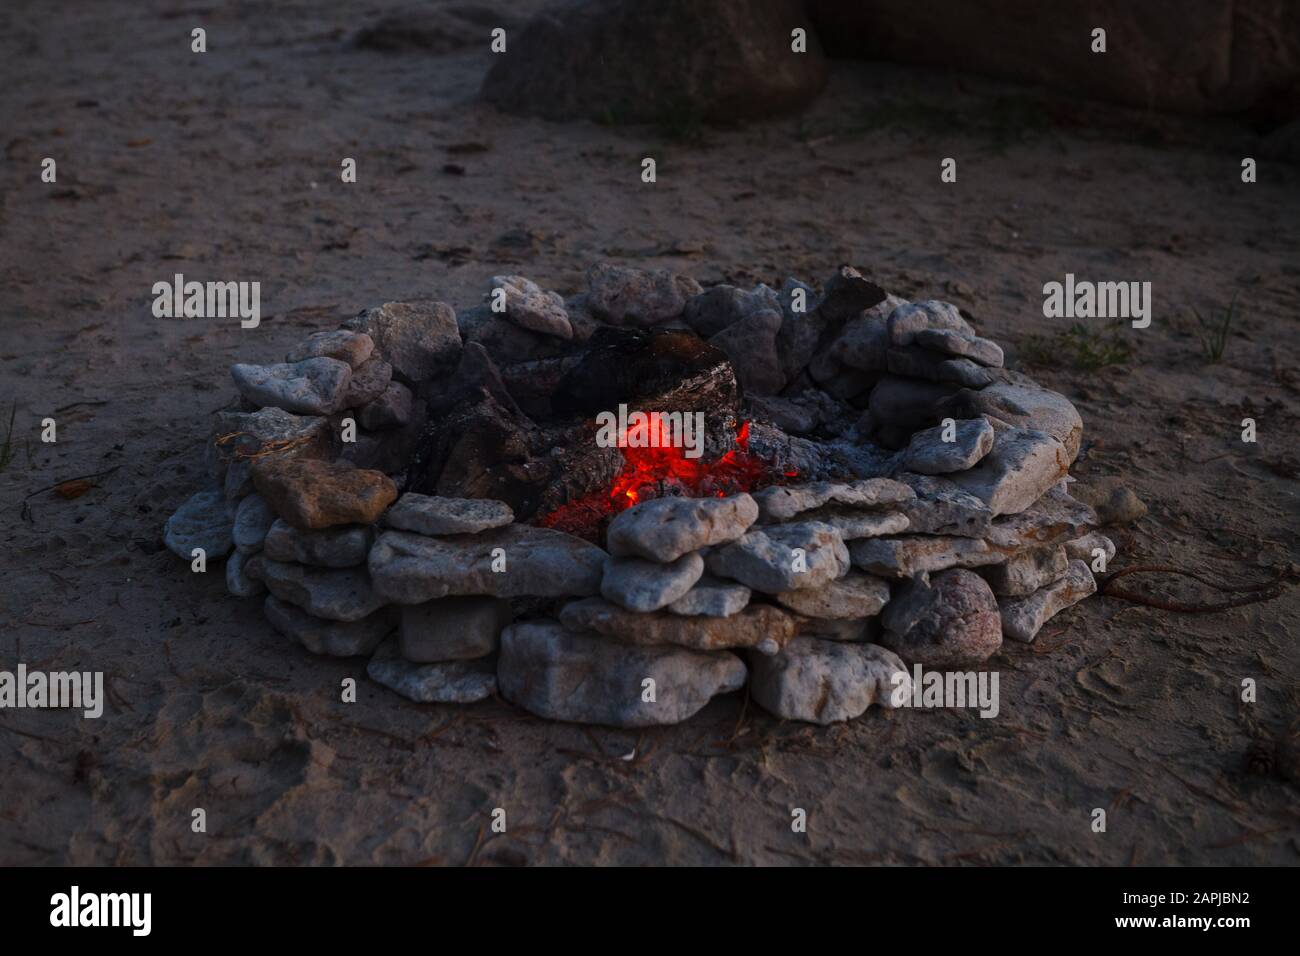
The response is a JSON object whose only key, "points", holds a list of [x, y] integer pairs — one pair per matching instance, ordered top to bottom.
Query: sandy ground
{"points": [[225, 166]]}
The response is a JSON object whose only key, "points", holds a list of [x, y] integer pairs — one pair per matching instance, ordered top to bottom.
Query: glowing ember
{"points": [[648, 470]]}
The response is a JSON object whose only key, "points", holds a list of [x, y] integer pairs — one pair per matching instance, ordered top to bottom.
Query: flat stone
{"points": [[848, 293], [624, 296], [530, 307], [912, 317], [420, 339], [342, 344], [864, 344], [979, 350], [919, 363], [368, 384], [312, 387], [1021, 402], [392, 409], [241, 438], [928, 454], [1022, 466], [318, 494], [780, 503], [940, 507], [434, 515], [253, 519], [1053, 519], [201, 522], [853, 524], [664, 529], [342, 546], [1085, 549], [910, 554], [781, 558], [532, 562], [1023, 574], [238, 582], [641, 585], [337, 594], [856, 595], [712, 597], [1023, 618], [948, 619], [759, 626], [452, 629], [858, 630], [332, 638], [561, 675], [451, 682], [823, 682]]}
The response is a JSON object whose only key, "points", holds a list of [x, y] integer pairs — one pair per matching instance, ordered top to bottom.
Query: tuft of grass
{"points": [[1216, 330], [1077, 347]]}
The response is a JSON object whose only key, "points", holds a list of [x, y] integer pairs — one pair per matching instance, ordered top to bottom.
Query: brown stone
{"points": [[319, 494], [760, 626]]}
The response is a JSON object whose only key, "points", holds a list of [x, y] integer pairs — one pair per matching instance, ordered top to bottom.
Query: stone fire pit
{"points": [[871, 490]]}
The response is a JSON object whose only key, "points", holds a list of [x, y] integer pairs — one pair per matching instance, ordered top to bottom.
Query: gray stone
{"points": [[624, 296], [721, 306], [530, 307], [912, 317], [420, 339], [864, 343], [342, 344], [751, 344], [979, 350], [918, 363], [368, 383], [313, 387], [1024, 403], [392, 409], [791, 416], [241, 438], [928, 454], [1022, 466], [1114, 502], [780, 503], [940, 507], [434, 515], [253, 519], [1052, 519], [201, 522], [853, 524], [664, 529], [343, 546], [1085, 548], [910, 554], [781, 558], [533, 562], [1023, 574], [238, 582], [641, 585], [337, 594], [856, 595], [712, 597], [1023, 618], [948, 619], [760, 626], [452, 629], [332, 638], [555, 673], [450, 682], [824, 682]]}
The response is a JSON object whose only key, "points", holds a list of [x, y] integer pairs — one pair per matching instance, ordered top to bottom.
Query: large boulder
{"points": [[670, 62]]}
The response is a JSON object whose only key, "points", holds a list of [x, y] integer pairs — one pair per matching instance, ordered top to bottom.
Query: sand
{"points": [[226, 166]]}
